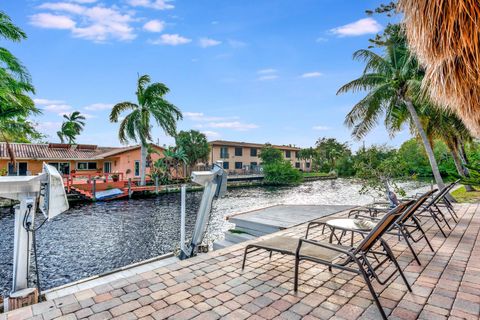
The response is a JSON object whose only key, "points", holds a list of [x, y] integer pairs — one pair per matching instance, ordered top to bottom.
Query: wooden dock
{"points": [[268, 220]]}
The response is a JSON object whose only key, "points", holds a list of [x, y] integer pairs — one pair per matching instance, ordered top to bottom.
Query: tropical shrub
{"points": [[281, 173]]}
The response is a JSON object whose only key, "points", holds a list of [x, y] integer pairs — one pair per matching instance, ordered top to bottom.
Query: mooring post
{"points": [[156, 185], [129, 188], [94, 189], [182, 217]]}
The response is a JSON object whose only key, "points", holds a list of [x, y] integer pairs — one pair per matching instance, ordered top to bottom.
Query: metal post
{"points": [[156, 185], [94, 188], [129, 188], [182, 217], [22, 242]]}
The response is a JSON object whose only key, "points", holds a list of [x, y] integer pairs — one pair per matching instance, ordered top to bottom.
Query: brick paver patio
{"points": [[213, 286]]}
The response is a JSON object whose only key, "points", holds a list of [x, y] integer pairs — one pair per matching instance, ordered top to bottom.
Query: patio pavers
{"points": [[213, 286]]}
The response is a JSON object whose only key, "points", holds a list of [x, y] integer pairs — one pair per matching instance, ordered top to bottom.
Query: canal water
{"points": [[94, 238]]}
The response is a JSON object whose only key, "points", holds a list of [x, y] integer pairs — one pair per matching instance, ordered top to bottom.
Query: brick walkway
{"points": [[213, 286]]}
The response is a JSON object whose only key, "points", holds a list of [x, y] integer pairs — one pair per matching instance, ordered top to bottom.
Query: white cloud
{"points": [[152, 4], [64, 7], [51, 21], [97, 23], [154, 26], [358, 28], [321, 39], [171, 40], [207, 42], [267, 71], [313, 74], [267, 77], [43, 102], [99, 106], [57, 107], [48, 125], [234, 125], [321, 128], [211, 134]]}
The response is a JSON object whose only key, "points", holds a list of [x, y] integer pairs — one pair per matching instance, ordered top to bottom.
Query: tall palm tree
{"points": [[393, 84], [15, 85], [150, 104], [72, 126]]}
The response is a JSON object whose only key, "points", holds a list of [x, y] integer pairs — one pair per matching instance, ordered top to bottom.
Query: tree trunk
{"points": [[426, 144], [143, 163]]}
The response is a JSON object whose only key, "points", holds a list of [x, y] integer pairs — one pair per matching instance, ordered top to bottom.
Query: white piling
{"points": [[182, 217]]}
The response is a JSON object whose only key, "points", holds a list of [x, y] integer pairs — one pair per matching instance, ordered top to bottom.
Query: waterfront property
{"points": [[243, 157], [78, 160], [213, 286]]}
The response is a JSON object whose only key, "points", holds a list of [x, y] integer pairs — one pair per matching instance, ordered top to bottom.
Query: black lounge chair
{"points": [[364, 260]]}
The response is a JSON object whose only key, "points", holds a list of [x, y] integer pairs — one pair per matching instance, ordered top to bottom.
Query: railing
{"points": [[89, 177]]}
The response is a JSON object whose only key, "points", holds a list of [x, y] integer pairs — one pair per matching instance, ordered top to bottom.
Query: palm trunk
{"points": [[426, 144], [457, 159], [143, 162]]}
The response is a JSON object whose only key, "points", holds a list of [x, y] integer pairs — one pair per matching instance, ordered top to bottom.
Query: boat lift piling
{"points": [[214, 184]]}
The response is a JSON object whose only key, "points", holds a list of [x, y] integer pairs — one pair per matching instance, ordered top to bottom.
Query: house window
{"points": [[224, 152], [238, 152], [253, 152], [287, 154], [253, 164], [297, 164], [308, 164], [226, 165], [238, 165], [86, 166], [62, 167], [107, 167], [137, 168], [21, 169]]}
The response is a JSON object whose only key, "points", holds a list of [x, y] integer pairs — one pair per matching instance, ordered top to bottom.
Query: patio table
{"points": [[348, 225]]}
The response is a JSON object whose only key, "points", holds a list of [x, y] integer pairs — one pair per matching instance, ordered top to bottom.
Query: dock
{"points": [[257, 223]]}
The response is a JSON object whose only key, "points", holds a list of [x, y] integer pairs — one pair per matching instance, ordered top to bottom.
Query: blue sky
{"points": [[250, 70]]}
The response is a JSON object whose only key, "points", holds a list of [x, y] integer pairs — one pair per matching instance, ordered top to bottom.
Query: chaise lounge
{"points": [[364, 259]]}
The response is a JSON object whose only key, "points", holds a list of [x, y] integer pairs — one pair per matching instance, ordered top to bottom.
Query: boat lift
{"points": [[215, 185], [48, 191]]}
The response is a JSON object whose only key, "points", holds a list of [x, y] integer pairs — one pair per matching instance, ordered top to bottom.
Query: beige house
{"points": [[243, 157]]}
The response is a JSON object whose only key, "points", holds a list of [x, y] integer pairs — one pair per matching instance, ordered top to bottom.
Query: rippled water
{"points": [[97, 237]]}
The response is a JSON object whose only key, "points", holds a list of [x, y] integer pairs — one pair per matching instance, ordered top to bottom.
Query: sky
{"points": [[243, 70]]}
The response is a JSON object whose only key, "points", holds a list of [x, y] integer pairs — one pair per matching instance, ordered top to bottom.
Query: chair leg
{"points": [[436, 222], [419, 227], [308, 230], [405, 237], [245, 256], [270, 257], [395, 262], [295, 280], [372, 291]]}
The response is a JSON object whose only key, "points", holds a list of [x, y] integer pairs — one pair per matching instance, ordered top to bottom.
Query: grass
{"points": [[461, 195]]}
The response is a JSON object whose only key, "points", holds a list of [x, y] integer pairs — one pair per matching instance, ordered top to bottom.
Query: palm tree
{"points": [[15, 85], [393, 85], [136, 125], [72, 126], [446, 126]]}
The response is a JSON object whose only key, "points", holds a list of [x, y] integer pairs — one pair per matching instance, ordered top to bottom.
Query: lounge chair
{"points": [[408, 225], [363, 260]]}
